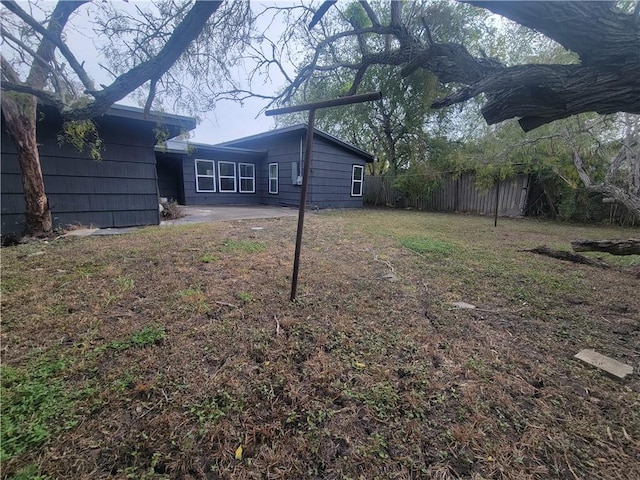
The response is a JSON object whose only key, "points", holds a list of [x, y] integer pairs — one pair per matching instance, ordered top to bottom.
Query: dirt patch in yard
{"points": [[159, 354]]}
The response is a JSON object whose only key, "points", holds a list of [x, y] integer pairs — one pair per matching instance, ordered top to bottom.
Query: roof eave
{"points": [[179, 122], [302, 128], [193, 148]]}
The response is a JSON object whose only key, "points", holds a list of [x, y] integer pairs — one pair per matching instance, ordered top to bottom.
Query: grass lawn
{"points": [[175, 353]]}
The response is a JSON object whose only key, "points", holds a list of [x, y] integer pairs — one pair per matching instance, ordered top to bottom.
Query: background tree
{"points": [[605, 38], [150, 47], [539, 69], [401, 129], [619, 153], [585, 155]]}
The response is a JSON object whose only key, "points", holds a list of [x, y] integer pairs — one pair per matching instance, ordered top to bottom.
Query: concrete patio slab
{"points": [[200, 214], [204, 214]]}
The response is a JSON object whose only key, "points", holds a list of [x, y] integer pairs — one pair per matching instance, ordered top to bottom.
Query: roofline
{"points": [[136, 113], [303, 128], [209, 148]]}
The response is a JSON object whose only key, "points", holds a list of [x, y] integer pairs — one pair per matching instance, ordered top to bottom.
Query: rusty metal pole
{"points": [[312, 107], [303, 202], [495, 219]]}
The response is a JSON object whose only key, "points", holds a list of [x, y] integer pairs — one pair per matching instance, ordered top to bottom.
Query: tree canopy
{"points": [[604, 36], [154, 47], [401, 129]]}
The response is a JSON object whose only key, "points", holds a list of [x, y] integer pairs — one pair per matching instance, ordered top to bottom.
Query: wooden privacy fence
{"points": [[454, 194]]}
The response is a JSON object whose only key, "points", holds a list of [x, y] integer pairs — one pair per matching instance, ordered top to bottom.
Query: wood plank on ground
{"points": [[612, 367]]}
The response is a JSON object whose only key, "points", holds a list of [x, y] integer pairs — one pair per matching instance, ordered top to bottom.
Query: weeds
{"points": [[171, 210], [248, 246], [428, 246], [208, 258], [125, 283], [245, 297], [194, 300], [146, 336], [33, 398], [382, 398], [214, 408]]}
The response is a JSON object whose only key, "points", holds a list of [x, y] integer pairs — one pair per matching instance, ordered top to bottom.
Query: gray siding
{"points": [[283, 150], [331, 169], [330, 184], [117, 191], [193, 197]]}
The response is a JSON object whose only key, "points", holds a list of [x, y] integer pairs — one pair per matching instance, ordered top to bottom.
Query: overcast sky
{"points": [[231, 120]]}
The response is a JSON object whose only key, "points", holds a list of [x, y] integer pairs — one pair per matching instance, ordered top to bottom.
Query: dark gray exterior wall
{"points": [[283, 150], [331, 167], [331, 170], [330, 185], [117, 191], [193, 197]]}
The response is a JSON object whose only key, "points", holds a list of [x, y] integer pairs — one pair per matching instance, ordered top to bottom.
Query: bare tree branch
{"points": [[396, 8], [322, 9], [370, 13], [58, 19], [188, 29], [598, 32], [44, 63], [8, 72], [357, 80], [606, 81], [47, 97], [150, 97], [582, 173]]}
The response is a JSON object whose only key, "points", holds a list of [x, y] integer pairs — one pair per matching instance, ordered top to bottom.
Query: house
{"points": [[264, 169], [122, 188], [119, 190]]}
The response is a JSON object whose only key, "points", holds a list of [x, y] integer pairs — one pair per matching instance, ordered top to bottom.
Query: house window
{"points": [[205, 176], [226, 177], [247, 178], [273, 178], [357, 178]]}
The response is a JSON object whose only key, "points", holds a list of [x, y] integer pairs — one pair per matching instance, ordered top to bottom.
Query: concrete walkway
{"points": [[201, 214], [204, 214]]}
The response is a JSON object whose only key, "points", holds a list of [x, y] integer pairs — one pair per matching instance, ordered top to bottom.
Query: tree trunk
{"points": [[19, 111], [550, 200], [630, 201], [614, 247], [567, 256]]}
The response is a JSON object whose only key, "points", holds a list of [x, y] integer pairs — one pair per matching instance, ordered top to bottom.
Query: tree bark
{"points": [[599, 32], [19, 111], [631, 202], [614, 247]]}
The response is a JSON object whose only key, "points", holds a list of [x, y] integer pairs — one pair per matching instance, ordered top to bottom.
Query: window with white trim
{"points": [[205, 176], [226, 177], [247, 177], [273, 178], [357, 179]]}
